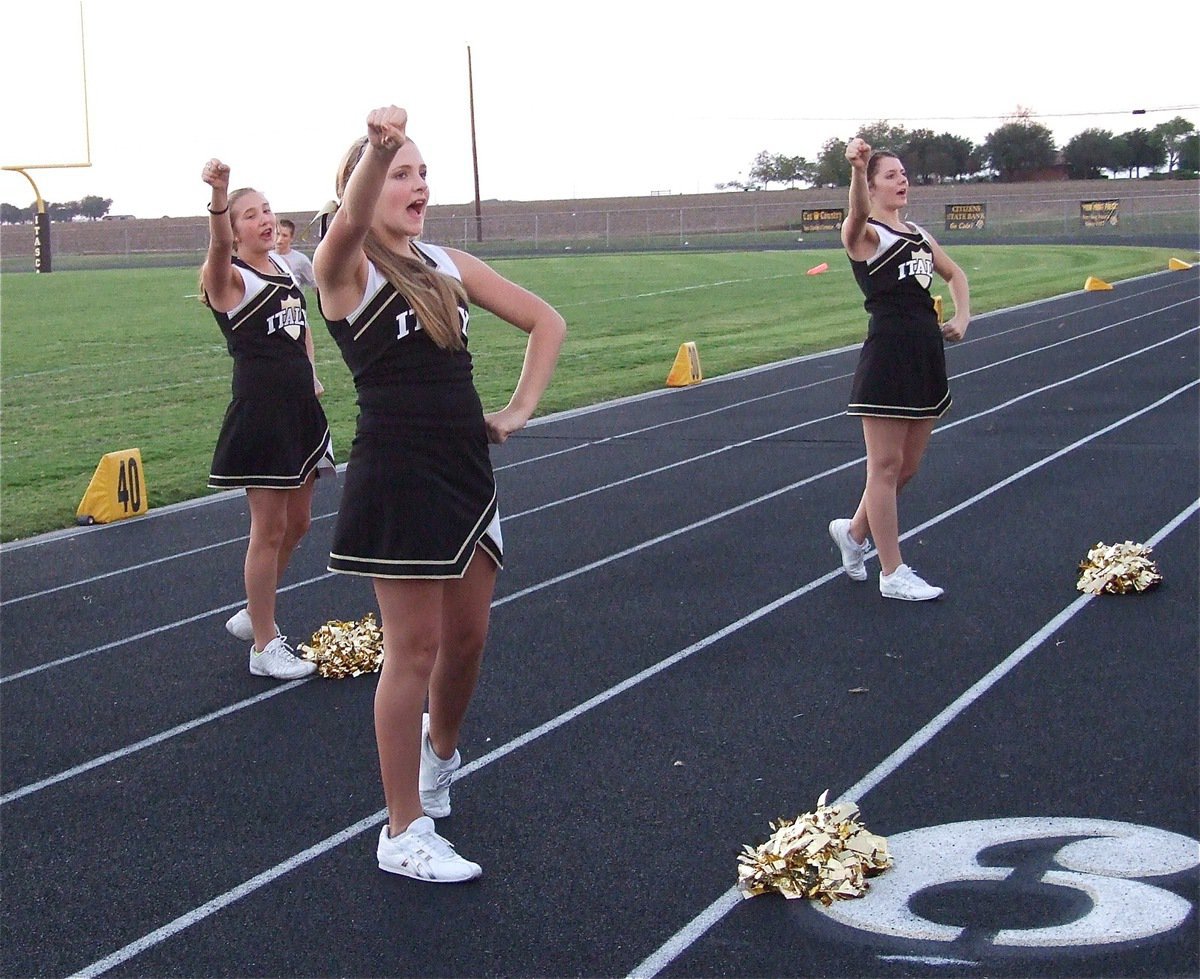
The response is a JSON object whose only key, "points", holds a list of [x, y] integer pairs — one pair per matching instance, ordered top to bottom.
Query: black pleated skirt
{"points": [[901, 374], [271, 443], [415, 503]]}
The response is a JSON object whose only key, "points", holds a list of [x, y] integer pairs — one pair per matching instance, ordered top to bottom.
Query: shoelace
{"points": [[284, 648], [437, 847]]}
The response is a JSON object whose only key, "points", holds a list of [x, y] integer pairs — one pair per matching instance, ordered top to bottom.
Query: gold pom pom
{"points": [[1117, 569], [342, 649], [824, 855]]}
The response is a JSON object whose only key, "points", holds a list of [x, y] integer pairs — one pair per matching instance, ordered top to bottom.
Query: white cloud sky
{"points": [[572, 100]]}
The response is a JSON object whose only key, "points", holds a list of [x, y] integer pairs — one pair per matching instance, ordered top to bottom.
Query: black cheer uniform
{"points": [[901, 369], [275, 432], [418, 493]]}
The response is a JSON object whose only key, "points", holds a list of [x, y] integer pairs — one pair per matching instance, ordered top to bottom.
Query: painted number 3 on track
{"points": [[982, 882]]}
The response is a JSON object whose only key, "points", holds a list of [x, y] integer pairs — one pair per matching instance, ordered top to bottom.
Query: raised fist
{"points": [[385, 128], [858, 152], [216, 174]]}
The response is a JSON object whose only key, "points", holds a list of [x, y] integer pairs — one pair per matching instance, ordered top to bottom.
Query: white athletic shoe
{"points": [[853, 553], [906, 584], [239, 625], [279, 661], [436, 775], [420, 853]]}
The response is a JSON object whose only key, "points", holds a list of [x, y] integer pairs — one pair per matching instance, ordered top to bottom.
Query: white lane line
{"points": [[1036, 351], [987, 411], [792, 428], [158, 630], [148, 742], [714, 912], [695, 929]]}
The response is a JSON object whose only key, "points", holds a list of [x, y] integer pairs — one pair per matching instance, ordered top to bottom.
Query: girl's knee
{"points": [[888, 469], [906, 476], [298, 526], [269, 534], [416, 655]]}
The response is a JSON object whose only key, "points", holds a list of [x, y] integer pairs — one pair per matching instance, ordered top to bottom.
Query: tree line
{"points": [[1019, 147], [92, 208]]}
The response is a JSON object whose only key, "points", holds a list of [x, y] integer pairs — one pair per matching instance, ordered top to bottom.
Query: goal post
{"points": [[42, 252]]}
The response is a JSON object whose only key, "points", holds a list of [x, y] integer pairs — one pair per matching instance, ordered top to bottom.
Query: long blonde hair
{"points": [[231, 200], [434, 297]]}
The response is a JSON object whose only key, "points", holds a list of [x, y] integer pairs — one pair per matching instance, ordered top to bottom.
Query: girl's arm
{"points": [[859, 238], [339, 263], [220, 281], [960, 291], [532, 314], [311, 350]]}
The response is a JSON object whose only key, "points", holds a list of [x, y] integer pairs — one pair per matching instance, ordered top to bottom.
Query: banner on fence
{"points": [[1098, 214], [966, 217], [822, 219], [41, 243]]}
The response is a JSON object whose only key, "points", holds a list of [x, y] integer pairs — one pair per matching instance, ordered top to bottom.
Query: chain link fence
{"points": [[1147, 210]]}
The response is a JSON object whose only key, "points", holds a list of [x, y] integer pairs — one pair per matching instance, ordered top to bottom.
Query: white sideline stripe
{"points": [[678, 289], [611, 438], [767, 496], [714, 912], [687, 936]]}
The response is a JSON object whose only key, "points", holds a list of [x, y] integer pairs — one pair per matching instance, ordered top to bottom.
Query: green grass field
{"points": [[97, 361]]}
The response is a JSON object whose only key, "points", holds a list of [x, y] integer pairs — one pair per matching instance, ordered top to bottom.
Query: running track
{"points": [[675, 661]]}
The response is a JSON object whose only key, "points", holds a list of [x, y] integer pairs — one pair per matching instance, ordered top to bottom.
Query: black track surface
{"points": [[675, 661]]}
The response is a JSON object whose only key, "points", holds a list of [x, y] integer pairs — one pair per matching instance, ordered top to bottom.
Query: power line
{"points": [[1001, 115]]}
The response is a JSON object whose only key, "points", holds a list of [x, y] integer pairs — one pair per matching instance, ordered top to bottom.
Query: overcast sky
{"points": [[572, 99]]}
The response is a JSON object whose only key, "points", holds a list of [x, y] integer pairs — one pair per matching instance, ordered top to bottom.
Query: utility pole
{"points": [[474, 150]]}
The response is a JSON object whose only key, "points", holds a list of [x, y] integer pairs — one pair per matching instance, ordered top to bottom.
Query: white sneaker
{"points": [[853, 553], [904, 583], [239, 625], [279, 661], [436, 775], [420, 853]]}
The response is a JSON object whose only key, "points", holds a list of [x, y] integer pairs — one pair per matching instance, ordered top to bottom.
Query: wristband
{"points": [[211, 211]]}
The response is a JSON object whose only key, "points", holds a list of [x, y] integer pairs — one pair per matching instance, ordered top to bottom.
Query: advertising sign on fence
{"points": [[1097, 214], [966, 217], [822, 219]]}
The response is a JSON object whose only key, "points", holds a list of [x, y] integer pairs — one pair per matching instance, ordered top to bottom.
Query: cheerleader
{"points": [[900, 387], [275, 438], [419, 514]]}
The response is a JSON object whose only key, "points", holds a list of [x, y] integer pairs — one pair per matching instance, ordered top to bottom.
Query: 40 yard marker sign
{"points": [[117, 489]]}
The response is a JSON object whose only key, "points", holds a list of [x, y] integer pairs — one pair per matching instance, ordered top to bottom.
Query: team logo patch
{"points": [[920, 267], [292, 316]]}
